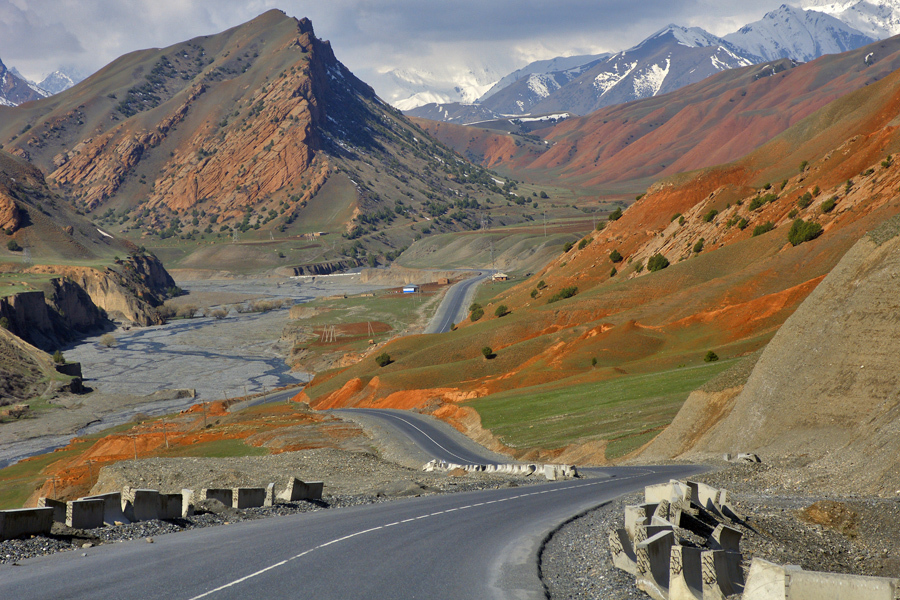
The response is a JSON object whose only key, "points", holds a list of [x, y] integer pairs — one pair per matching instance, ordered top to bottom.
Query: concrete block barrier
{"points": [[299, 490], [672, 491], [221, 494], [270, 495], [702, 495], [248, 497], [187, 502], [140, 505], [58, 506], [170, 506], [112, 508], [85, 514], [636, 515], [25, 521], [726, 538], [622, 551], [652, 558], [686, 573], [722, 574], [767, 580], [812, 585]]}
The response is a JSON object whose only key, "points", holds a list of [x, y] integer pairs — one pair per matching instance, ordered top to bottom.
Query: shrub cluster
{"points": [[764, 228], [803, 231], [615, 256], [657, 262], [566, 292]]}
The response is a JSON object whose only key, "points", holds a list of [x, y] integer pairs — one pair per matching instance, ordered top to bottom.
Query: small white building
{"points": [[499, 277], [410, 289]]}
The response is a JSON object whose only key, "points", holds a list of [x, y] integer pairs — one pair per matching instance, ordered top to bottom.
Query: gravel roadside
{"points": [[818, 531]]}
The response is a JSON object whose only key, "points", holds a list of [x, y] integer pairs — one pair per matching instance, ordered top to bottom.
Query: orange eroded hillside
{"points": [[711, 122], [730, 294]]}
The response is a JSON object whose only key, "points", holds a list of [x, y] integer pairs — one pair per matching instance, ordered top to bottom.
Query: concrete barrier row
{"points": [[550, 472], [131, 505], [648, 546], [770, 581]]}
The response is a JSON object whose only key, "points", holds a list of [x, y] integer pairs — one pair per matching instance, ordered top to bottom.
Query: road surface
{"points": [[453, 306], [475, 545]]}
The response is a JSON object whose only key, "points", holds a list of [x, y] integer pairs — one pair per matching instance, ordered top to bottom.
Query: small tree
{"points": [[544, 195], [829, 205], [615, 215], [710, 215], [764, 228], [803, 231], [13, 246], [698, 247], [615, 256], [657, 262], [613, 272], [534, 293], [188, 311], [501, 311], [218, 314], [476, 314], [108, 340], [488, 352], [711, 357], [58, 358], [383, 359], [594, 362]]}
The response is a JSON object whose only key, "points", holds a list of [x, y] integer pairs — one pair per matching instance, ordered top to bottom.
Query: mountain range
{"points": [[667, 60], [240, 132]]}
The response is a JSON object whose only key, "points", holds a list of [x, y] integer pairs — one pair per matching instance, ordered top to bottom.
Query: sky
{"points": [[371, 37]]}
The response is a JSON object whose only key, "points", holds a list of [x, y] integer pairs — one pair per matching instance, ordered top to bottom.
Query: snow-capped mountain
{"points": [[876, 18], [802, 35], [669, 59], [542, 69], [58, 81], [416, 87], [15, 89]]}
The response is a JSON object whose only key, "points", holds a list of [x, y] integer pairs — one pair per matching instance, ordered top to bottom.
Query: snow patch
{"points": [[608, 80], [649, 82]]}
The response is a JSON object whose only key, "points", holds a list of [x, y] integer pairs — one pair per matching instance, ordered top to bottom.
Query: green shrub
{"points": [[887, 162], [803, 165], [868, 172], [784, 184], [768, 186], [848, 186], [816, 191], [544, 195], [761, 200], [805, 200], [829, 205], [794, 212], [615, 215], [710, 215], [675, 216], [742, 224], [600, 226], [764, 228], [803, 231], [584, 242], [13, 246], [568, 246], [698, 247], [615, 256], [657, 262], [639, 268], [613, 272], [541, 284], [566, 292], [534, 293], [475, 306], [501, 311], [476, 314], [488, 352], [711, 357], [58, 358], [383, 359], [594, 362]]}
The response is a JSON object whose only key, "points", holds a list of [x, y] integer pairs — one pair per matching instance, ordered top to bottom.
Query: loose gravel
{"points": [[819, 532]]}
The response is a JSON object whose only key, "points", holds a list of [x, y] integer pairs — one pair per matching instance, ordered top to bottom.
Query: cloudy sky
{"points": [[372, 37]]}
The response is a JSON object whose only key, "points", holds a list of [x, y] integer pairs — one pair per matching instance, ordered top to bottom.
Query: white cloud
{"points": [[371, 37]]}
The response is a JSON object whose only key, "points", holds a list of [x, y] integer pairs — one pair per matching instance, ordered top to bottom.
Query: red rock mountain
{"points": [[239, 129], [628, 146]]}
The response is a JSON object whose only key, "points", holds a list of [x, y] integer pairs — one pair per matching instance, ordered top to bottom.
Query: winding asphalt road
{"points": [[452, 308], [475, 545]]}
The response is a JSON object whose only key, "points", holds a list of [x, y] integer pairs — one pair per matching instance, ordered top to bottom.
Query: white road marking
{"points": [[380, 527]]}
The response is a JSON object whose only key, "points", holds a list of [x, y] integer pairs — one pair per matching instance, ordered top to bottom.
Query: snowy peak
{"points": [[878, 19], [802, 35], [692, 37], [561, 67], [56, 82], [419, 87], [15, 89]]}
